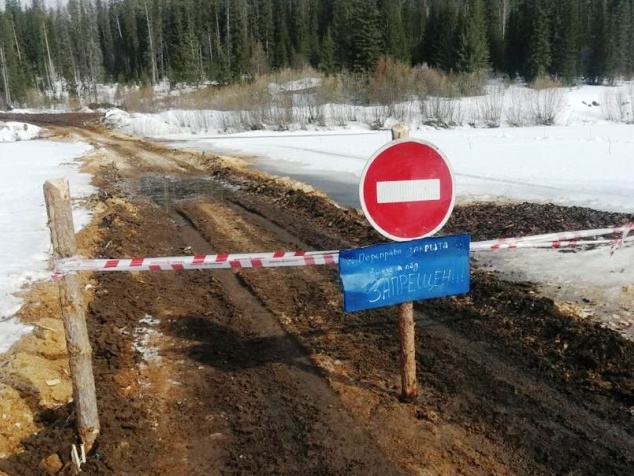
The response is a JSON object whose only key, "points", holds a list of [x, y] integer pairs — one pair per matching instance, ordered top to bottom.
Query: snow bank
{"points": [[297, 85], [161, 124], [16, 131], [25, 238]]}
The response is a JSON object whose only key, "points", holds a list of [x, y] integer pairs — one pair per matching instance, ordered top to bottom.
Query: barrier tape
{"points": [[562, 236], [572, 239], [480, 246], [219, 261]]}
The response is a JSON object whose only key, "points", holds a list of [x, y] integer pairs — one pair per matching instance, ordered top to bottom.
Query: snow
{"points": [[297, 85], [14, 131], [586, 159], [556, 164], [24, 255]]}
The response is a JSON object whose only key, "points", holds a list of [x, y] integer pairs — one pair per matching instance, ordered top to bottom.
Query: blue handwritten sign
{"points": [[393, 273]]}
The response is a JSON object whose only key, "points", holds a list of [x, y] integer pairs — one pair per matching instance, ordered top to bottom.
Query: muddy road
{"points": [[261, 372]]}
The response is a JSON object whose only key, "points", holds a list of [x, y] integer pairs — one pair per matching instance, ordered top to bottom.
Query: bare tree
{"points": [[151, 42], [5, 77]]}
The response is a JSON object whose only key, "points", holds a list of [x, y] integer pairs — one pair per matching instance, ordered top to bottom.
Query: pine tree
{"points": [[496, 12], [297, 15], [341, 15], [415, 17], [266, 28], [518, 30], [313, 33], [365, 35], [394, 39], [565, 40], [83, 41], [106, 41], [594, 42], [439, 43], [618, 44], [34, 45], [183, 45], [282, 48], [539, 49], [240, 51], [472, 52], [65, 54], [328, 55], [18, 69], [5, 86]]}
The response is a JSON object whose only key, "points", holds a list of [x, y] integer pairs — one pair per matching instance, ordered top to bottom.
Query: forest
{"points": [[80, 43]]}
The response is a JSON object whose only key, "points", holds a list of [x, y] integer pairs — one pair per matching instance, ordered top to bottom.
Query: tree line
{"points": [[82, 42]]}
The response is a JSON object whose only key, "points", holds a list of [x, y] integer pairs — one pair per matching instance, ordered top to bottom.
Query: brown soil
{"points": [[261, 372]]}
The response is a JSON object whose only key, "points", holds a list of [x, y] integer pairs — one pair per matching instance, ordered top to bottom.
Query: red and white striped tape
{"points": [[559, 237], [573, 239], [481, 246], [219, 261]]}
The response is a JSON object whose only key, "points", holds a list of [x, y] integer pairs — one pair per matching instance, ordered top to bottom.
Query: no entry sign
{"points": [[407, 190]]}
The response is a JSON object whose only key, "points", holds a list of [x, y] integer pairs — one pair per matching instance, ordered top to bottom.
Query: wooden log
{"points": [[60, 221], [407, 334]]}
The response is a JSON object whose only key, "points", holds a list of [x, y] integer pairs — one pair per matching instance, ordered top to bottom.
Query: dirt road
{"points": [[261, 372]]}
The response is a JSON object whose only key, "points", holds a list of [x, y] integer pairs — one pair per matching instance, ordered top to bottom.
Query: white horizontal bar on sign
{"points": [[399, 191]]}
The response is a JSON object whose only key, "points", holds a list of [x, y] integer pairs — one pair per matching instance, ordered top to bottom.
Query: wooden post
{"points": [[60, 217], [409, 385]]}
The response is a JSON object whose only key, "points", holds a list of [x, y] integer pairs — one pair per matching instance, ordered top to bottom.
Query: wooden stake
{"points": [[58, 206], [409, 385]]}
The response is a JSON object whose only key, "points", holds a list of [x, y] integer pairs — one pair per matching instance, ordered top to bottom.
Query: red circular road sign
{"points": [[407, 189]]}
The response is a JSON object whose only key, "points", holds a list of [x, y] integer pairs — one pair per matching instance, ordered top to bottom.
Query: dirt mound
{"points": [[66, 119]]}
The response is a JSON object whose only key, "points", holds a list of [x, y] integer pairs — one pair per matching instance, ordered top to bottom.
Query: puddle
{"points": [[166, 191]]}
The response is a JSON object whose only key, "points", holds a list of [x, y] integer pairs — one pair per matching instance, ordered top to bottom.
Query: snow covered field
{"points": [[583, 160], [24, 254]]}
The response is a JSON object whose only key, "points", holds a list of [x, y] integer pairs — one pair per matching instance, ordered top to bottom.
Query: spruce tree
{"points": [[496, 12], [341, 15], [415, 18], [565, 27], [299, 34], [365, 35], [32, 39], [394, 39], [106, 41], [439, 43], [618, 44], [282, 48], [539, 49], [472, 52], [241, 53], [7, 62], [327, 62], [595, 68]]}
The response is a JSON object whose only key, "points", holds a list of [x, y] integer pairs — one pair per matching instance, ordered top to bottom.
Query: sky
{"points": [[584, 160]]}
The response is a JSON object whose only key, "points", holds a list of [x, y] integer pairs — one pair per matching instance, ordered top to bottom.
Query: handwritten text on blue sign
{"points": [[393, 273]]}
